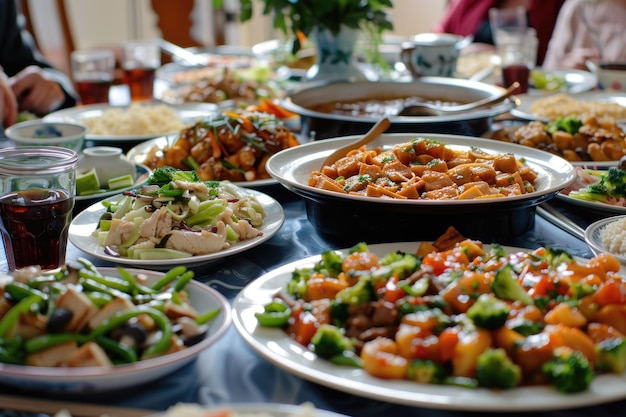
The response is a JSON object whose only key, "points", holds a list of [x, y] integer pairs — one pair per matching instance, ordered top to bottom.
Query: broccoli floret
{"points": [[569, 124], [164, 175], [611, 183], [359, 247], [555, 256], [330, 264], [401, 264], [297, 285], [506, 286], [359, 293], [339, 312], [488, 312], [524, 326], [329, 341], [611, 355], [494, 369], [426, 371], [568, 371]]}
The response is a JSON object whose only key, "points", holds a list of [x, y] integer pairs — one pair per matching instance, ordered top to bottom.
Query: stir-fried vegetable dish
{"points": [[232, 146], [426, 168], [177, 215], [460, 312], [78, 316]]}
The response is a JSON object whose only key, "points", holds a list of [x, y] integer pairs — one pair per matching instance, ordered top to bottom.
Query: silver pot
{"points": [[322, 125]]}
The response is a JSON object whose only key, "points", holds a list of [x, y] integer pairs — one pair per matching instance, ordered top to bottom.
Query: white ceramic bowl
{"points": [[611, 75], [40, 133], [593, 237], [100, 379]]}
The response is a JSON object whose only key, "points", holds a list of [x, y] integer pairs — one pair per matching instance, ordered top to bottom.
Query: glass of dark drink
{"points": [[140, 60], [92, 71], [37, 187]]}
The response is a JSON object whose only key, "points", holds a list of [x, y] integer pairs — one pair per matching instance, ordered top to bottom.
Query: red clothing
{"points": [[464, 17]]}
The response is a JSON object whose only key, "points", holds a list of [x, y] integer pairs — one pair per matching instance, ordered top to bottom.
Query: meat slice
{"points": [[198, 242]]}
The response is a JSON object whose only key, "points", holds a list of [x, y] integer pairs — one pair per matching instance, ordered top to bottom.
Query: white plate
{"points": [[577, 81], [527, 100], [188, 112], [140, 152], [292, 167], [142, 174], [591, 205], [87, 220], [275, 346], [95, 379], [256, 409]]}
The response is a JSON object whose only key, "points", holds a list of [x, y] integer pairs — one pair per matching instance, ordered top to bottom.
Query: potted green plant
{"points": [[333, 25]]}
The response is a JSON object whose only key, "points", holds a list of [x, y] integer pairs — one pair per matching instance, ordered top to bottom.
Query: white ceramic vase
{"points": [[336, 59], [108, 161]]}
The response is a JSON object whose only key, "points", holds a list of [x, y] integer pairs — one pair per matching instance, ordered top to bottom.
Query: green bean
{"points": [[88, 265], [168, 277], [132, 281], [183, 281], [111, 282], [91, 285], [18, 291], [100, 299], [12, 316], [123, 316], [208, 316], [46, 341], [126, 353]]}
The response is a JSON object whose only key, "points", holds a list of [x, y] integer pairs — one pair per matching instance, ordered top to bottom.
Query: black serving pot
{"points": [[320, 125], [344, 219]]}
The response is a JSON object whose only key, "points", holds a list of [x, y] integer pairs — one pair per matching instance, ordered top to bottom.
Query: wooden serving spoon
{"points": [[379, 128]]}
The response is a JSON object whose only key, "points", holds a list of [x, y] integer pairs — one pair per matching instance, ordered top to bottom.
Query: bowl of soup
{"points": [[351, 108]]}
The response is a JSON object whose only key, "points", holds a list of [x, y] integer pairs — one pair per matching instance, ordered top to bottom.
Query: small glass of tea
{"points": [[140, 60], [92, 71], [37, 187]]}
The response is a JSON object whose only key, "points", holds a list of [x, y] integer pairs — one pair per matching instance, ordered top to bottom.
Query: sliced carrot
{"points": [[245, 123], [217, 152]]}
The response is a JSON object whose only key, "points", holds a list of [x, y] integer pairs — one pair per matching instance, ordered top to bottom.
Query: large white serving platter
{"points": [[86, 222], [277, 347]]}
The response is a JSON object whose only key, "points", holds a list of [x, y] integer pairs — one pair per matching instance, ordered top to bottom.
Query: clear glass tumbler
{"points": [[37, 187]]}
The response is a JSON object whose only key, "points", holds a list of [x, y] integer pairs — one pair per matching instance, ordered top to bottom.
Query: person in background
{"points": [[471, 17], [587, 29], [27, 81]]}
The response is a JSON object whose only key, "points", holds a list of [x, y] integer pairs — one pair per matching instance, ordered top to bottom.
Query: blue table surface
{"points": [[231, 372]]}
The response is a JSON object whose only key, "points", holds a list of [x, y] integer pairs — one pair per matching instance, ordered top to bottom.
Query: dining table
{"points": [[231, 372]]}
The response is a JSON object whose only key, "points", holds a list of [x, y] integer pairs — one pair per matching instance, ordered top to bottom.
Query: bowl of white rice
{"points": [[608, 236]]}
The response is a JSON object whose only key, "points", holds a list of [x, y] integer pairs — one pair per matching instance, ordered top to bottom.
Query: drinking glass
{"points": [[516, 44], [140, 60], [92, 71], [37, 187]]}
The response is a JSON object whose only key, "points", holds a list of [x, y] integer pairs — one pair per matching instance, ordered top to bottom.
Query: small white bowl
{"points": [[611, 75], [40, 133], [593, 237]]}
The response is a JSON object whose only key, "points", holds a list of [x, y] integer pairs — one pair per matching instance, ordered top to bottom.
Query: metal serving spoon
{"points": [[426, 109], [378, 129]]}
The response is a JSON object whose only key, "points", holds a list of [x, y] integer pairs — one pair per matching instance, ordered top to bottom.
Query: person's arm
{"points": [[18, 52], [8, 102]]}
